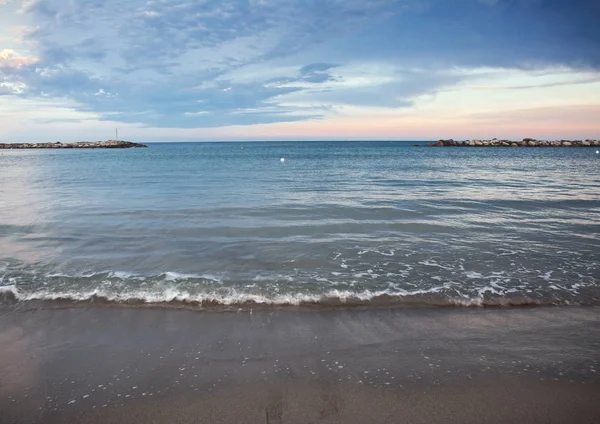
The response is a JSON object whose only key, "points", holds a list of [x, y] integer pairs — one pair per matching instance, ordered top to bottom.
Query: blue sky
{"points": [[299, 69]]}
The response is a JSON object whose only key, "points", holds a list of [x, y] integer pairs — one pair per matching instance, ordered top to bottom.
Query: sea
{"points": [[238, 225]]}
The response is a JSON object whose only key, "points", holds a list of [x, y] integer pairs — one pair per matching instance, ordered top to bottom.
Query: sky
{"points": [[211, 70]]}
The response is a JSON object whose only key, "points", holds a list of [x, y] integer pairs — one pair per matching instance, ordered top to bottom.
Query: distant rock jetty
{"points": [[526, 142], [110, 144]]}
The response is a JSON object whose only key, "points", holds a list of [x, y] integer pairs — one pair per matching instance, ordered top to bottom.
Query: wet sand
{"points": [[429, 365]]}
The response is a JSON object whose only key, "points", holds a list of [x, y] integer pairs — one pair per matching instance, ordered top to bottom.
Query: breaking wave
{"points": [[21, 285], [232, 299]]}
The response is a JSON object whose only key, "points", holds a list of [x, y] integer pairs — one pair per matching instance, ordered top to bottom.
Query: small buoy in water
{"points": [[597, 152], [282, 160]]}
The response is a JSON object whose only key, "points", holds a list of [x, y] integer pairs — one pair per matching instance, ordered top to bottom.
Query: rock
{"points": [[527, 142], [110, 144]]}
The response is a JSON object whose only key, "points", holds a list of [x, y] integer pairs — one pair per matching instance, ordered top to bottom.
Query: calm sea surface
{"points": [[357, 222]]}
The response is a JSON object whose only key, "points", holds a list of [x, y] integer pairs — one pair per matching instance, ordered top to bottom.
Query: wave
{"points": [[271, 289], [232, 299]]}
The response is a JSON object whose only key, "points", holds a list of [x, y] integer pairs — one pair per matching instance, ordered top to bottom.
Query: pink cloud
{"points": [[10, 59]]}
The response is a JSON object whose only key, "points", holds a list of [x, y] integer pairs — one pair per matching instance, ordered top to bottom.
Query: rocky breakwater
{"points": [[526, 142], [110, 144]]}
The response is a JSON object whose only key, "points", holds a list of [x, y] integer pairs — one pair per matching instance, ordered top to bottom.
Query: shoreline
{"points": [[526, 142], [109, 144], [11, 298], [210, 307], [105, 365]]}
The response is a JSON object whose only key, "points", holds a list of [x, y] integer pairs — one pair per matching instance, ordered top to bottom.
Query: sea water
{"points": [[209, 224]]}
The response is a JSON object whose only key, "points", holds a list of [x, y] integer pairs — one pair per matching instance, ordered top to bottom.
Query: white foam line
{"points": [[231, 298]]}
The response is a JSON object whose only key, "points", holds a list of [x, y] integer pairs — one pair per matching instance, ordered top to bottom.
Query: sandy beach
{"points": [[429, 365]]}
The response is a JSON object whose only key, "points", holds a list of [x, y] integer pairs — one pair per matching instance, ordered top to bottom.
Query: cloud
{"points": [[168, 53], [10, 59], [214, 63], [12, 67], [12, 87], [104, 94]]}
